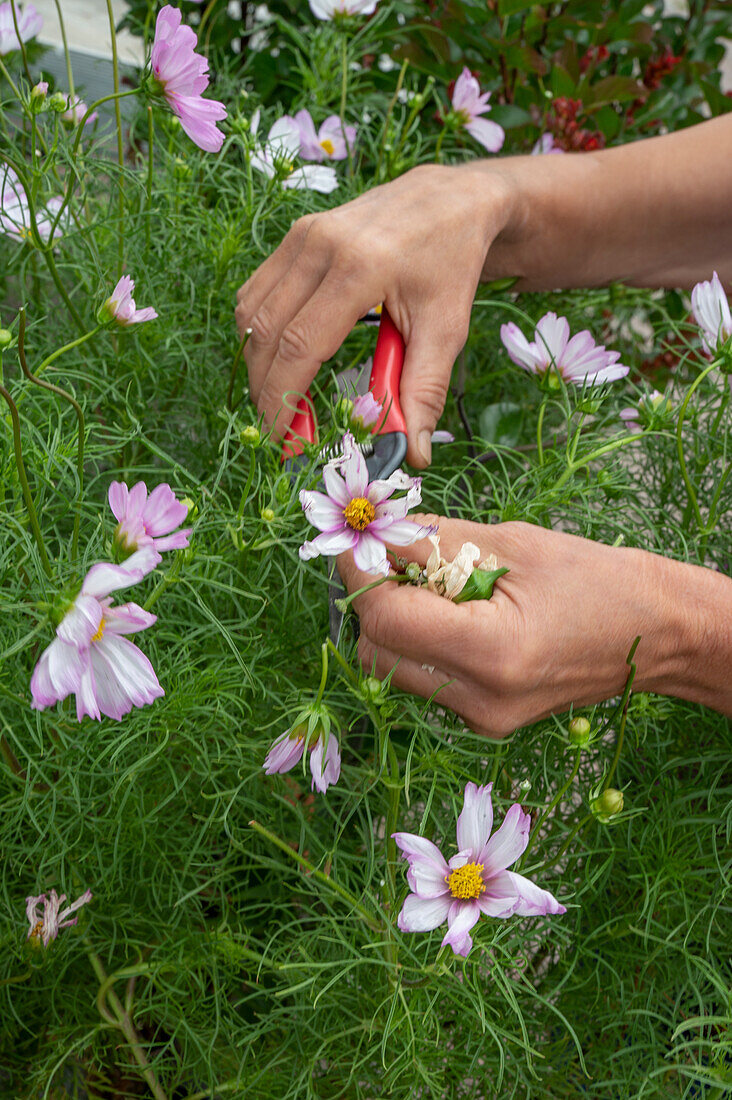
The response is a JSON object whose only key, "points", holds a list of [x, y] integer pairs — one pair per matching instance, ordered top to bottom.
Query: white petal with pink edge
{"points": [[476, 820], [507, 843], [423, 914], [461, 917]]}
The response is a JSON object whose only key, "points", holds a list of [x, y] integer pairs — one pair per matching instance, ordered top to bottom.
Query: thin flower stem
{"points": [[21, 43], [67, 55], [10, 80], [389, 112], [120, 144], [438, 147], [150, 150], [53, 270], [68, 347], [234, 369], [79, 416], [539, 427], [680, 443], [597, 453], [23, 478], [323, 672], [624, 703], [552, 805], [393, 816], [568, 842], [319, 875], [120, 1019]]}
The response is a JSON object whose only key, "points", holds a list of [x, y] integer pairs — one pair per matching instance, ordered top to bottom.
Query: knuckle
{"points": [[264, 327], [294, 344], [376, 621]]}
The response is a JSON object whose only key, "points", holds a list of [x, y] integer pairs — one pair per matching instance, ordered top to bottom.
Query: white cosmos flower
{"points": [[274, 158]]}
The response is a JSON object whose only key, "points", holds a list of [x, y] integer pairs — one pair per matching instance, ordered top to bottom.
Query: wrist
{"points": [[688, 650]]}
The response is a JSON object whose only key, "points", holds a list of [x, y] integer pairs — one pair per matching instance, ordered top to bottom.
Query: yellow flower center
{"points": [[328, 145], [359, 513], [100, 633], [466, 882], [37, 929]]}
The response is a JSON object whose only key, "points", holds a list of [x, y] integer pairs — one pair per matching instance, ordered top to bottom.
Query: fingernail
{"points": [[424, 445]]}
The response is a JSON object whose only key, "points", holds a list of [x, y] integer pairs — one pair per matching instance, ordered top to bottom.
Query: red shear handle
{"points": [[386, 374], [301, 430]]}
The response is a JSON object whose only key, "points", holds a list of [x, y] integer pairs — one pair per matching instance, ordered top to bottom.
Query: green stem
{"points": [[18, 35], [67, 55], [10, 80], [389, 112], [120, 144], [438, 147], [150, 148], [53, 270], [234, 369], [79, 416], [539, 426], [680, 444], [597, 453], [23, 478], [323, 672], [624, 703], [552, 805], [319, 875], [120, 1019]]}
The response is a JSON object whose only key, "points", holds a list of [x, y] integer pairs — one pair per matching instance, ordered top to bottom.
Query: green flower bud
{"points": [[58, 102], [6, 338], [551, 380], [249, 436], [191, 506], [267, 514], [413, 571], [372, 689], [579, 732], [525, 786], [607, 805]]}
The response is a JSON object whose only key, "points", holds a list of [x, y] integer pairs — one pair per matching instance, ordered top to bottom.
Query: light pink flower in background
{"points": [[329, 9], [29, 24], [183, 75], [468, 104], [76, 111], [331, 142], [545, 144], [275, 158], [15, 217], [120, 306], [711, 311], [579, 360], [366, 411], [442, 436], [355, 514], [145, 520], [89, 657], [287, 750], [474, 881], [46, 927]]}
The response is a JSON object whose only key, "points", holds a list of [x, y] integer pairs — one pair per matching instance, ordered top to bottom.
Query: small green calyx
{"points": [[58, 102], [6, 338], [249, 436], [479, 585], [373, 689]]}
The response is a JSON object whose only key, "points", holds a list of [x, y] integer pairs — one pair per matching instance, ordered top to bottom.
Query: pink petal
{"points": [[466, 91], [490, 135], [552, 336], [520, 351], [335, 486], [118, 494], [321, 511], [163, 512], [178, 541], [369, 553], [142, 562], [105, 578], [127, 618], [80, 624], [123, 676], [284, 754], [325, 765], [476, 820], [508, 843], [533, 901], [423, 914], [460, 919]]}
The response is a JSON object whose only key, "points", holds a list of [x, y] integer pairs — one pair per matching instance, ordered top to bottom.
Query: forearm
{"points": [[652, 213], [690, 648]]}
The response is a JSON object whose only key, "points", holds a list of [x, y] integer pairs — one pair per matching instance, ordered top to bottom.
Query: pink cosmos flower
{"points": [[329, 9], [29, 24], [183, 75], [468, 104], [75, 112], [332, 141], [545, 144], [275, 158], [15, 218], [120, 306], [712, 313], [579, 360], [647, 405], [366, 411], [355, 514], [147, 520], [89, 656], [287, 750], [474, 881], [47, 927]]}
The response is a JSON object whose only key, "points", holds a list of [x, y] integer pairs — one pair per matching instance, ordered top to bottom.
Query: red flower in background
{"points": [[593, 56], [659, 67], [568, 134]]}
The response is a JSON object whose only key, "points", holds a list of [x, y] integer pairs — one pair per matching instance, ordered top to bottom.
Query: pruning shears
{"points": [[386, 448]]}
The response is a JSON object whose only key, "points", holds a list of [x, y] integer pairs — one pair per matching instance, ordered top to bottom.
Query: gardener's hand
{"points": [[418, 244], [556, 631]]}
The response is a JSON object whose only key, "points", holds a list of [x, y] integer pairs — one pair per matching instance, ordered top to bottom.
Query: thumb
{"points": [[434, 344]]}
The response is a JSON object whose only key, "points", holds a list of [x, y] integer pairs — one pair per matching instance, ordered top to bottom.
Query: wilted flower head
{"points": [[330, 9], [29, 24], [182, 76], [468, 104], [331, 142], [275, 158], [15, 213], [120, 306], [711, 311], [579, 360], [356, 514], [147, 520], [448, 578], [89, 657], [325, 757], [474, 881], [46, 927]]}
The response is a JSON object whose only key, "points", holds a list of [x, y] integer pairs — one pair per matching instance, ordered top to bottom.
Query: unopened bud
{"points": [[38, 96], [58, 102], [6, 338], [249, 436], [191, 506], [267, 514], [413, 571], [372, 689], [579, 731], [525, 786], [608, 804]]}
